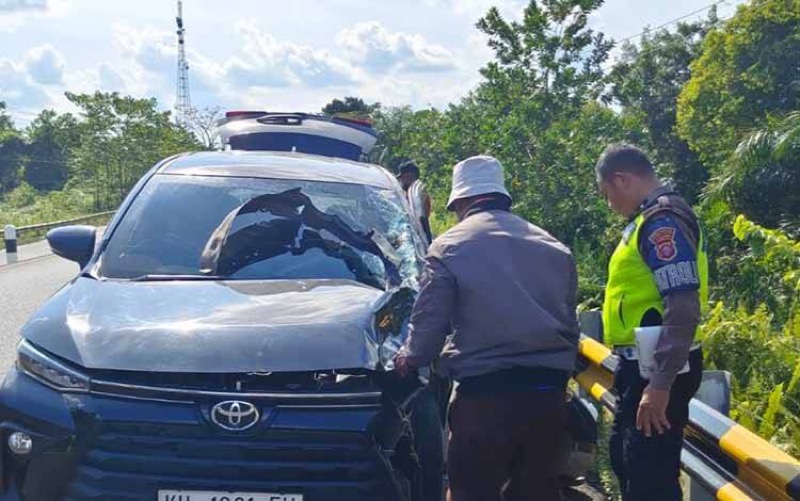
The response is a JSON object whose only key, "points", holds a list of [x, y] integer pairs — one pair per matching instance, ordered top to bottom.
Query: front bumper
{"points": [[92, 446]]}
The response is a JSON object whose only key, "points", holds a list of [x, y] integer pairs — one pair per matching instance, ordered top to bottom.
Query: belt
{"points": [[629, 352], [514, 379]]}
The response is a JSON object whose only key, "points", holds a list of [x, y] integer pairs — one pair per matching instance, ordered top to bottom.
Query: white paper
{"points": [[646, 342]]}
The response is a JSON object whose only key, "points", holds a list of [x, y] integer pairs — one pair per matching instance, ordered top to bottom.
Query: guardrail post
{"points": [[10, 236], [591, 323]]}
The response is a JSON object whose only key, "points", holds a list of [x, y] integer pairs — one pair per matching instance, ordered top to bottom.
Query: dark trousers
{"points": [[503, 446], [649, 468]]}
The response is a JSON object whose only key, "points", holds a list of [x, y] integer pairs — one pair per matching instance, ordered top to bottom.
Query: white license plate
{"points": [[165, 495]]}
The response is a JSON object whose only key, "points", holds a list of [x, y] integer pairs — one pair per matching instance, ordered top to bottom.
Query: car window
{"points": [[301, 143], [267, 229]]}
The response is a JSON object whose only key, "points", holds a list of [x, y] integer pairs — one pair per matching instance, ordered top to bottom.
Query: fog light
{"points": [[20, 443]]}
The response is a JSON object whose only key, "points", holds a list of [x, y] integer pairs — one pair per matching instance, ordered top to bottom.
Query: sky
{"points": [[286, 55]]}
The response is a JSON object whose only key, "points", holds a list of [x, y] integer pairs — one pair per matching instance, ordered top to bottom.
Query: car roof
{"points": [[278, 165]]}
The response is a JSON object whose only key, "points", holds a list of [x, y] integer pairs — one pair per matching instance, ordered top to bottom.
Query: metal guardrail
{"points": [[77, 220], [12, 233], [728, 460]]}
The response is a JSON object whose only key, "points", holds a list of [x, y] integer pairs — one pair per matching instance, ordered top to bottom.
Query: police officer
{"points": [[658, 275]]}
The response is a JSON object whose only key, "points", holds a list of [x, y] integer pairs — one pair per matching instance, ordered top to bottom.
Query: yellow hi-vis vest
{"points": [[632, 290]]}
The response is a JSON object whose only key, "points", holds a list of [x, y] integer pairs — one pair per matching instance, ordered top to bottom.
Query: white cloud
{"points": [[22, 5], [14, 14], [371, 45], [477, 47], [149, 48], [299, 57], [260, 62], [266, 62], [45, 65], [145, 66], [254, 67], [103, 78], [109, 80], [84, 81], [23, 83], [17, 88]]}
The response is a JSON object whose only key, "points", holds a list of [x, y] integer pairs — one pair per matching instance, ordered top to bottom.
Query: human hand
{"points": [[402, 364], [652, 413]]}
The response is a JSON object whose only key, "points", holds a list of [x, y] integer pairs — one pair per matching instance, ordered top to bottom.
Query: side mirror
{"points": [[75, 243]]}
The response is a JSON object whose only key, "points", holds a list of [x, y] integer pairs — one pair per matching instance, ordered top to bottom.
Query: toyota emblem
{"points": [[234, 415]]}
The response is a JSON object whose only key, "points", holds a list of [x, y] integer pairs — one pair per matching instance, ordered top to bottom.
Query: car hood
{"points": [[204, 326]]}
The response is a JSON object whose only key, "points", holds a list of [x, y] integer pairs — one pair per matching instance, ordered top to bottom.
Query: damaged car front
{"points": [[231, 337]]}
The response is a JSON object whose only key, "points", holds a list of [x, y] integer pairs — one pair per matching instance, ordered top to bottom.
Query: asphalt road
{"points": [[28, 251], [23, 288]]}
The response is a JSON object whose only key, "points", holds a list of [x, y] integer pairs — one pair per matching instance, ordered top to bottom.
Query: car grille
{"points": [[357, 380], [132, 461]]}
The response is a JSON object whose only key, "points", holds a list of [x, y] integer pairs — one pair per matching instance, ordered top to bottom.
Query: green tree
{"points": [[550, 54], [747, 70], [647, 80], [350, 106], [538, 113], [5, 119], [203, 122], [405, 133], [50, 137], [121, 138], [11, 148], [762, 179], [759, 338]]}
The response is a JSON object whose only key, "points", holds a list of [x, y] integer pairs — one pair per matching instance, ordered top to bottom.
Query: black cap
{"points": [[408, 166]]}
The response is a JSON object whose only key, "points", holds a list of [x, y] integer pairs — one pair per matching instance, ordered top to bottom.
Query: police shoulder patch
{"points": [[664, 241]]}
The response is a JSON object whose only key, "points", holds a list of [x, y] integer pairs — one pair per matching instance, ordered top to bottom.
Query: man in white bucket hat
{"points": [[506, 290]]}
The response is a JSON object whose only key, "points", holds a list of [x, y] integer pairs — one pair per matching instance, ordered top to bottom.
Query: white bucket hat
{"points": [[479, 175]]}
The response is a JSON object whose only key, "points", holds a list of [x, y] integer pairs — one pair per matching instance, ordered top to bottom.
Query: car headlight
{"points": [[49, 371]]}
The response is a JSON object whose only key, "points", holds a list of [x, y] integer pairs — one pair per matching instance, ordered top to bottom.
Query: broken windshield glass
{"points": [[290, 223], [247, 228]]}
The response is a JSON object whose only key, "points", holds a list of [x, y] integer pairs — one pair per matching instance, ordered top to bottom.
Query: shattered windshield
{"points": [[248, 228]]}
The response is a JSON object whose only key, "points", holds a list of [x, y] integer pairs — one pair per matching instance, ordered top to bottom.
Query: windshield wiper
{"points": [[169, 278]]}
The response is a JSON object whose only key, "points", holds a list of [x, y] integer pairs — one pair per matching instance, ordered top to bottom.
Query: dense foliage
{"points": [[747, 70], [690, 96], [64, 165], [756, 336]]}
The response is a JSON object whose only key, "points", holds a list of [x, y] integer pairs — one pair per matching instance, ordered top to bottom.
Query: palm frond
{"points": [[787, 141], [755, 150], [718, 185]]}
